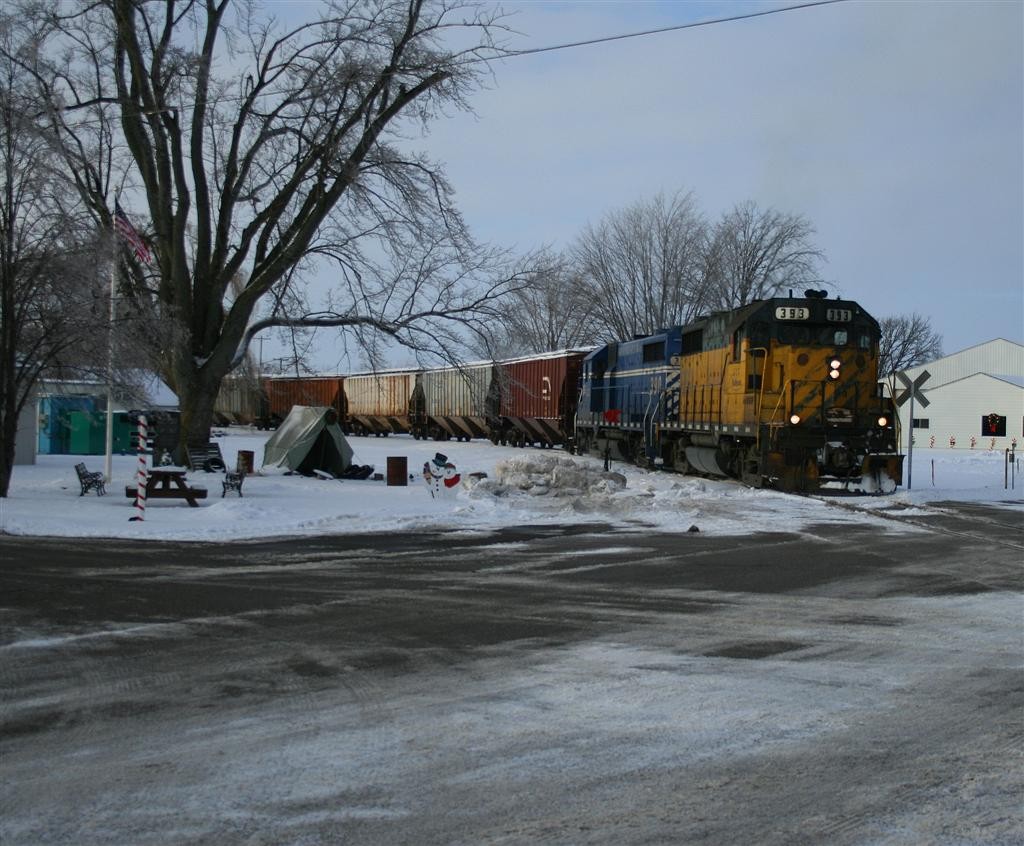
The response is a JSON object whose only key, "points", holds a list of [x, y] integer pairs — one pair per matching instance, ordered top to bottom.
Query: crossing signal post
{"points": [[912, 391]]}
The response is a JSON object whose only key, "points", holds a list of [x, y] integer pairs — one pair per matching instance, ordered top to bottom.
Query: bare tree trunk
{"points": [[196, 407], [8, 429]]}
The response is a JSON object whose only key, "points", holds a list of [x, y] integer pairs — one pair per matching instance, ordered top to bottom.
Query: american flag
{"points": [[124, 228]]}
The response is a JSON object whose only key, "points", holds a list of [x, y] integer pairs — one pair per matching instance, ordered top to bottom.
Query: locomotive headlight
{"points": [[833, 368], [794, 419], [883, 422]]}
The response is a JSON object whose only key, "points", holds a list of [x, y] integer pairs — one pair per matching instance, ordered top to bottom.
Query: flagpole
{"points": [[121, 227], [109, 460]]}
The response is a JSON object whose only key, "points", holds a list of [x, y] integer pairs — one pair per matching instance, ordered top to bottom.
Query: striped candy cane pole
{"points": [[140, 480]]}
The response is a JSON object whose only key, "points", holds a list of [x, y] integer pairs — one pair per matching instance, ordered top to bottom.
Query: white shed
{"points": [[977, 394]]}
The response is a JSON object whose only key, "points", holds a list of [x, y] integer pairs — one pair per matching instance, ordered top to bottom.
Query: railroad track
{"points": [[936, 512]]}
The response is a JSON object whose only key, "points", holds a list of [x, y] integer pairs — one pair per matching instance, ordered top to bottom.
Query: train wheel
{"points": [[583, 443], [680, 463], [751, 473]]}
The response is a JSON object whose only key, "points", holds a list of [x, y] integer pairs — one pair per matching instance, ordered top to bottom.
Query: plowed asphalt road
{"points": [[845, 684]]}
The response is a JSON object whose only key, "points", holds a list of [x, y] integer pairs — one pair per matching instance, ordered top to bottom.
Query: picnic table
{"points": [[168, 483]]}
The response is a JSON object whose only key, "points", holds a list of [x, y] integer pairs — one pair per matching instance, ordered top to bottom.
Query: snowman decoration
{"points": [[440, 475]]}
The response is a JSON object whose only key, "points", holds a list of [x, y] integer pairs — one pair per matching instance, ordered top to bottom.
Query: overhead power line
{"points": [[607, 38]]}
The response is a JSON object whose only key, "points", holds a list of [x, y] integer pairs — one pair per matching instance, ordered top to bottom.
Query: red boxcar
{"points": [[285, 391], [538, 398]]}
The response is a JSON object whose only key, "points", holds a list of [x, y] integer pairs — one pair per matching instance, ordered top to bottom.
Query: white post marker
{"points": [[140, 480]]}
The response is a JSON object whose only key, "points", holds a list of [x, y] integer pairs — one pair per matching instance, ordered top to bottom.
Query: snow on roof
{"points": [[1017, 381]]}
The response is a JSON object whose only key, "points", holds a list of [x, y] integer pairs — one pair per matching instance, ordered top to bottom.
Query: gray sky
{"points": [[895, 127]]}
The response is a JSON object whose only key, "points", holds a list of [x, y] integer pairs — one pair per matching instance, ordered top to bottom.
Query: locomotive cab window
{"points": [[759, 334], [794, 334], [654, 352]]}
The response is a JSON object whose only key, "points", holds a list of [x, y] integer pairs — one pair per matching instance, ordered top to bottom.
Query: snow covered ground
{"points": [[522, 486], [319, 697]]}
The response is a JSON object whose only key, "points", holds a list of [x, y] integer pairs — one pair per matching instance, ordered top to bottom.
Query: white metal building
{"points": [[977, 394]]}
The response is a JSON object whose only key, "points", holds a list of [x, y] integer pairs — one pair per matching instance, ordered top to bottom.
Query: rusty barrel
{"points": [[246, 460], [398, 471]]}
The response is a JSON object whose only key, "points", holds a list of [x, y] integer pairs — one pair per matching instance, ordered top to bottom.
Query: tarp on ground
{"points": [[309, 439]]}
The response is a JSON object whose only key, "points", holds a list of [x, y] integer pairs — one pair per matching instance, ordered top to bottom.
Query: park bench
{"points": [[206, 457], [90, 481], [232, 481]]}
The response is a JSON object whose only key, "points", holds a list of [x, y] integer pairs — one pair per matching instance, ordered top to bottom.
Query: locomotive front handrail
{"points": [[760, 395], [782, 396]]}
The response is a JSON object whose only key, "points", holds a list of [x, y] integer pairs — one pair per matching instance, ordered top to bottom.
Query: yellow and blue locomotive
{"points": [[780, 392]]}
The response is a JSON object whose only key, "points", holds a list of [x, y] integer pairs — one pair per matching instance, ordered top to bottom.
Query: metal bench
{"points": [[206, 457], [90, 481], [232, 481]]}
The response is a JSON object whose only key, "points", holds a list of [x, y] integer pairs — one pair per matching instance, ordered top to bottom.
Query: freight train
{"points": [[782, 393]]}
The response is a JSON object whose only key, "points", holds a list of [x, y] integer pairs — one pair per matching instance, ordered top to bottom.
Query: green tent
{"points": [[309, 439]]}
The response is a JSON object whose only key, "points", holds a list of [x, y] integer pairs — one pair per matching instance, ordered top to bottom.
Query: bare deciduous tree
{"points": [[261, 150], [755, 254], [642, 267], [49, 302], [552, 312], [907, 340]]}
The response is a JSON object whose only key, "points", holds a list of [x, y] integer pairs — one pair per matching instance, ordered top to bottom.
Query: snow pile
{"points": [[549, 475], [580, 488]]}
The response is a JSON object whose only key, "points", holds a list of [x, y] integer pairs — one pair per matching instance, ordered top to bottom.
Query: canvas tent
{"points": [[309, 439]]}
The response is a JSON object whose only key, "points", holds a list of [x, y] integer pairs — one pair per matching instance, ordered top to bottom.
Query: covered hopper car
{"points": [[285, 391], [534, 399], [452, 402], [380, 403]]}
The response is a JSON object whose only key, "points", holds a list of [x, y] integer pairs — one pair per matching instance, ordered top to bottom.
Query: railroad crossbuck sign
{"points": [[913, 389], [912, 393]]}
